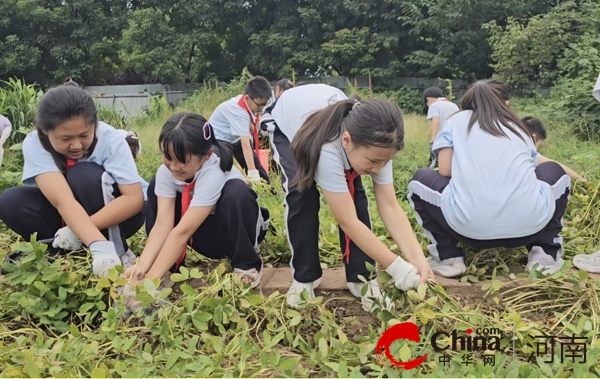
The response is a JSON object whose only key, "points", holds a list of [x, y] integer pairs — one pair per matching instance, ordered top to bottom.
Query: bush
{"points": [[409, 99], [18, 102], [111, 116]]}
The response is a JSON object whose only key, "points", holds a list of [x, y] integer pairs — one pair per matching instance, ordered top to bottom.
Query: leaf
{"points": [[196, 274], [583, 275], [178, 278], [150, 287], [188, 290], [421, 290], [255, 299], [86, 307], [428, 313], [203, 316], [295, 321], [323, 347], [405, 353], [147, 356], [174, 356], [287, 363], [31, 367], [99, 372]]}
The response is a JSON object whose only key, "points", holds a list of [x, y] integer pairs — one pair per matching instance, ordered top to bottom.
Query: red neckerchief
{"points": [[253, 120], [350, 176], [186, 199]]}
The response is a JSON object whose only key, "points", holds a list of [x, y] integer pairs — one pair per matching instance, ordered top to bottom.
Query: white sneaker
{"points": [[128, 259], [545, 263], [589, 263], [448, 268], [373, 292], [293, 294]]}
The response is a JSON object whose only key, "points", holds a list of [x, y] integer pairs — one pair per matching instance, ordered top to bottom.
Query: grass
{"points": [[57, 320]]}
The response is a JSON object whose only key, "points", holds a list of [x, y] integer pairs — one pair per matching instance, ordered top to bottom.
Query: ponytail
{"points": [[319, 128], [225, 155]]}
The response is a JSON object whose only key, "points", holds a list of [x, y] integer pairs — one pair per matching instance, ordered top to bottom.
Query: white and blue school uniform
{"points": [[596, 91], [442, 109], [232, 120], [5, 130], [127, 133], [94, 180], [497, 195], [302, 209], [236, 224]]}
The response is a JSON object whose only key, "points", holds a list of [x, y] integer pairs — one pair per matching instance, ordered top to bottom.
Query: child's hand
{"points": [[581, 179], [424, 269], [135, 272]]}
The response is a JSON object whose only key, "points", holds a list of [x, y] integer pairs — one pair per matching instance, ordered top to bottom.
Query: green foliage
{"points": [[101, 42], [559, 49], [526, 54], [409, 99], [18, 102], [111, 116], [52, 292], [59, 321]]}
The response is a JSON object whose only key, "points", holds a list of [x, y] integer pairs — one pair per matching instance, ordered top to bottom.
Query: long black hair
{"points": [[486, 101], [61, 104], [375, 122], [190, 134]]}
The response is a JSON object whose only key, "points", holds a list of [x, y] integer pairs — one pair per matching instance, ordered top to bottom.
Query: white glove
{"points": [[253, 176], [64, 238], [104, 257], [406, 276]]}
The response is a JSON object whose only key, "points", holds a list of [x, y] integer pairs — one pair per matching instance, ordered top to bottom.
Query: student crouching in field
{"points": [[236, 121], [5, 130], [539, 134], [323, 138], [81, 183], [490, 190], [198, 199]]}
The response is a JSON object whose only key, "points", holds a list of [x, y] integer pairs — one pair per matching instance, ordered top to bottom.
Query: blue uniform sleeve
{"points": [[433, 111], [443, 138], [37, 160], [119, 162], [330, 171], [385, 176], [209, 185], [164, 186]]}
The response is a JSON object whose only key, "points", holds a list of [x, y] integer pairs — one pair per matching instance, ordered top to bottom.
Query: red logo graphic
{"points": [[406, 331]]}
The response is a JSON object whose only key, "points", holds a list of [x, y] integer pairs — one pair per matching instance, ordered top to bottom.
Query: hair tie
{"points": [[356, 104], [207, 131]]}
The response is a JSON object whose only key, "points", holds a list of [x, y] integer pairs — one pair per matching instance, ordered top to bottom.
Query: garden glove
{"points": [[253, 176], [64, 238], [104, 257], [406, 276]]}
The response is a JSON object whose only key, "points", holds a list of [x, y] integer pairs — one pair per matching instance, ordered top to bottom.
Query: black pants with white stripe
{"points": [[238, 154], [25, 210], [302, 221], [234, 231], [444, 239]]}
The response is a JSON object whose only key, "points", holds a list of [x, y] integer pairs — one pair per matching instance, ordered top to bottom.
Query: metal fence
{"points": [[133, 100]]}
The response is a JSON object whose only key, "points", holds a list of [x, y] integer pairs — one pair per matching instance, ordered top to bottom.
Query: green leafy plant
{"points": [[18, 102]]}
